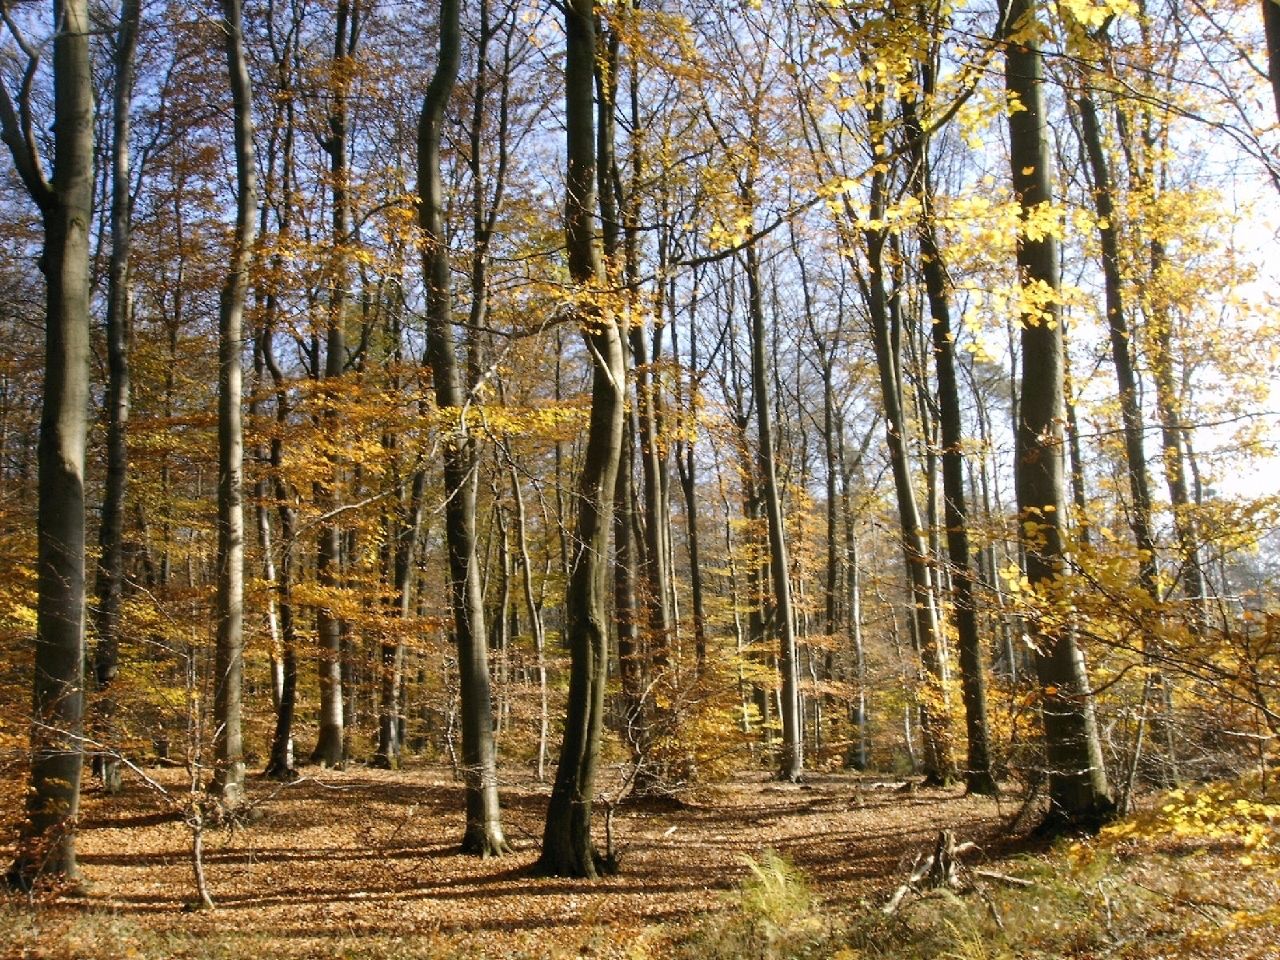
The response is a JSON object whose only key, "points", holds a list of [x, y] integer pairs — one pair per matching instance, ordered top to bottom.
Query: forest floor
{"points": [[363, 863]]}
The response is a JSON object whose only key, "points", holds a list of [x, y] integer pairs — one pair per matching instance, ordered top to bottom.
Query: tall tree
{"points": [[110, 580], [229, 654], [330, 747], [479, 754], [978, 775], [1077, 777], [47, 844], [567, 849]]}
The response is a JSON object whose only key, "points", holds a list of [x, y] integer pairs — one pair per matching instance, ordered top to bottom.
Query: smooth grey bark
{"points": [[1121, 346], [110, 579], [534, 608], [926, 630], [331, 747], [280, 763], [791, 764], [978, 776], [228, 779], [1078, 787], [483, 833], [46, 845], [567, 848]]}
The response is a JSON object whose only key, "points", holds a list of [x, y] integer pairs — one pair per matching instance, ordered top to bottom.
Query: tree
{"points": [[110, 580], [229, 654], [1077, 776], [484, 824], [47, 845], [567, 848]]}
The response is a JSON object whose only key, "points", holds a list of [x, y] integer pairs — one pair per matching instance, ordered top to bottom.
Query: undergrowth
{"points": [[1197, 875]]}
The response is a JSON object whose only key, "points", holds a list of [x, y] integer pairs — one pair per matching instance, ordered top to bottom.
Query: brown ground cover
{"points": [[367, 857]]}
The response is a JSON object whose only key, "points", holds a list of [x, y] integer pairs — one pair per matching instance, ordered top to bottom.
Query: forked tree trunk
{"points": [[1077, 778], [228, 782], [483, 834], [46, 847], [567, 849]]}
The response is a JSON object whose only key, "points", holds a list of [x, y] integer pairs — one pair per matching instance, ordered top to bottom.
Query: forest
{"points": [[639, 478]]}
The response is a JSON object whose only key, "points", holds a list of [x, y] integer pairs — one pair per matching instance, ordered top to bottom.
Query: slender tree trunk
{"points": [[110, 581], [535, 618], [935, 719], [330, 750], [792, 760], [978, 776], [1077, 778], [228, 781], [483, 833], [46, 847], [567, 849]]}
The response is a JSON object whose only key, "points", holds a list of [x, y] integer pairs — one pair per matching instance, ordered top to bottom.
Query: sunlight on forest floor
{"points": [[361, 863]]}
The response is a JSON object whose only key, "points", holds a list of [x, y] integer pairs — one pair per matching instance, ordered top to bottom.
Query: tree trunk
{"points": [[1271, 22], [110, 581], [934, 712], [330, 750], [792, 761], [978, 776], [1077, 778], [228, 781], [483, 833], [46, 847], [567, 849]]}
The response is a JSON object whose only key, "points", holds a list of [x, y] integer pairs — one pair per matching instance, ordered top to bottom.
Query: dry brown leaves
{"points": [[370, 853]]}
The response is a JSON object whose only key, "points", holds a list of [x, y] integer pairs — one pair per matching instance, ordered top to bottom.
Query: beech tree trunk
{"points": [[110, 581], [926, 630], [331, 748], [791, 763], [978, 776], [228, 782], [1078, 786], [483, 834], [46, 846], [567, 849]]}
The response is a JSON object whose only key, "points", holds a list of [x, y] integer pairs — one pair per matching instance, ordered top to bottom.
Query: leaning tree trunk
{"points": [[479, 755], [1077, 778], [228, 781], [46, 847], [567, 849]]}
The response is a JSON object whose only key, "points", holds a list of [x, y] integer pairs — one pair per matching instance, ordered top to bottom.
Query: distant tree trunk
{"points": [[1121, 347], [110, 581], [535, 618], [927, 631], [792, 761], [978, 776], [1077, 778], [228, 782], [483, 834], [46, 847], [567, 849]]}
